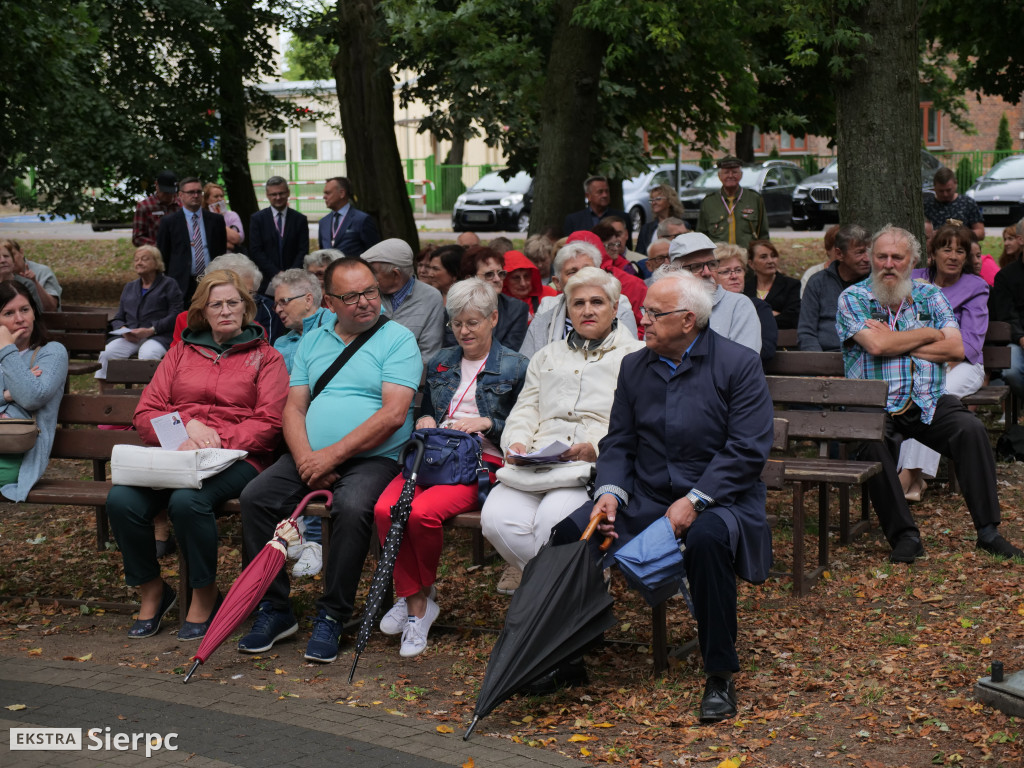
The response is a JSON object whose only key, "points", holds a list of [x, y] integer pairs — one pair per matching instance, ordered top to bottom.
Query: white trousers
{"points": [[120, 348], [964, 379], [519, 523]]}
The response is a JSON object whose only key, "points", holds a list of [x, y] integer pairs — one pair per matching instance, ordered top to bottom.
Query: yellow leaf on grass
{"points": [[986, 641], [35, 651], [85, 658], [278, 671], [15, 707], [398, 712], [528, 719], [602, 725], [445, 729], [581, 737], [584, 751], [732, 762], [469, 763]]}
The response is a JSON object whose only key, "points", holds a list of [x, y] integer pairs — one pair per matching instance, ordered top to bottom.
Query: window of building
{"points": [[931, 125], [307, 140], [759, 142], [789, 143], [278, 149], [330, 149]]}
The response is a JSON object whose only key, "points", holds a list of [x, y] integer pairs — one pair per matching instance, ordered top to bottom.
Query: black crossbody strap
{"points": [[345, 356]]}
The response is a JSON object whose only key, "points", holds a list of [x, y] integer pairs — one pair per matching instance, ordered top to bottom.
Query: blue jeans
{"points": [[1014, 375]]}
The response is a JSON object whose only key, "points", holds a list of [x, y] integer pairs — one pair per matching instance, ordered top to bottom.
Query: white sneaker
{"points": [[295, 550], [310, 562], [394, 621], [414, 637]]}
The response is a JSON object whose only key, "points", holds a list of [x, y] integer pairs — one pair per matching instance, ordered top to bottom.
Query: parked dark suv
{"points": [[816, 200], [495, 205]]}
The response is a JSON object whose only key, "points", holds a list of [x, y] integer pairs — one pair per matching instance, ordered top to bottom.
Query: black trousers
{"points": [[954, 432], [273, 496], [708, 563]]}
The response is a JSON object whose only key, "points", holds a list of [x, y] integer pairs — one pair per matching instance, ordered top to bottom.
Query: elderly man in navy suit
{"points": [[345, 228], [278, 235], [190, 238], [699, 465]]}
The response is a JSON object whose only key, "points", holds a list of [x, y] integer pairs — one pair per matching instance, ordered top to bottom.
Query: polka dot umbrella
{"points": [[389, 553]]}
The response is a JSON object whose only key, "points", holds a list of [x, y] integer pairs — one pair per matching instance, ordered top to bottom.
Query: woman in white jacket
{"points": [[567, 397]]}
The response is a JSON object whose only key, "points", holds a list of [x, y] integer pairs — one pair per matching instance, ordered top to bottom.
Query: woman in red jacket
{"points": [[523, 281], [229, 387]]}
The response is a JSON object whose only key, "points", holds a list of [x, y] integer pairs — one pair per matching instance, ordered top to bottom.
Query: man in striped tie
{"points": [[188, 239]]}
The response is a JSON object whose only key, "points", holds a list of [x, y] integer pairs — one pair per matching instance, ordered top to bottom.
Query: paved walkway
{"points": [[219, 725]]}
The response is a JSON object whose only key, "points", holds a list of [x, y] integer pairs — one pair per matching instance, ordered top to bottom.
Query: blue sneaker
{"points": [[269, 627], [323, 645]]}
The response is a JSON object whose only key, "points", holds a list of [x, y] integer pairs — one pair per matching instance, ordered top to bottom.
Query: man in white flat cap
{"points": [[404, 299], [732, 314]]}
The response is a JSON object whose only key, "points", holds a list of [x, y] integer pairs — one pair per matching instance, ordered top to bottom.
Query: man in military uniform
{"points": [[733, 214]]}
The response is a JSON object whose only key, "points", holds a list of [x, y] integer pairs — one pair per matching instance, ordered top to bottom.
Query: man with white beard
{"points": [[904, 332]]}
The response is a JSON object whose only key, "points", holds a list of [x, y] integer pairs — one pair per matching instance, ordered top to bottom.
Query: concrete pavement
{"points": [[220, 725]]}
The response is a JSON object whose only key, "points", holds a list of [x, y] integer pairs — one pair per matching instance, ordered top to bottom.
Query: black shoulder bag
{"points": [[345, 356]]}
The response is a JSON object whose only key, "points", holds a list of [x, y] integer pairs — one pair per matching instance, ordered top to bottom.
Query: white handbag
{"points": [[146, 467], [545, 477]]}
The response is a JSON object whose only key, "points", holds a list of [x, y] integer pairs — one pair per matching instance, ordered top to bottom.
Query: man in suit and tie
{"points": [[346, 228], [278, 235], [189, 238]]}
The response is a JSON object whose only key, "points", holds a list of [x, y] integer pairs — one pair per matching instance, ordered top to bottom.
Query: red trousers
{"points": [[416, 566]]}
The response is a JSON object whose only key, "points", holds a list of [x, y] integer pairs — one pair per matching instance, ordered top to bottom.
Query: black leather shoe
{"points": [[1000, 546], [164, 548], [906, 550], [149, 627], [196, 630], [565, 675], [719, 702]]}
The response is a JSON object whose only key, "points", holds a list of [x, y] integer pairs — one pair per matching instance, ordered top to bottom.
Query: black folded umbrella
{"points": [[561, 606]]}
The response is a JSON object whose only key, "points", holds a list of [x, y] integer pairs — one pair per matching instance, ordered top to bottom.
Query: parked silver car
{"points": [[635, 199]]}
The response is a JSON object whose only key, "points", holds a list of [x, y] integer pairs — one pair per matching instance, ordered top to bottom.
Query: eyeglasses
{"points": [[191, 192], [657, 199], [652, 262], [698, 267], [731, 272], [500, 274], [353, 298], [284, 302], [231, 304], [648, 312], [458, 325]]}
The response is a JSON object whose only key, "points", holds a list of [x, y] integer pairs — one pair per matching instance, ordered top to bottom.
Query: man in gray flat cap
{"points": [[406, 300], [732, 314]]}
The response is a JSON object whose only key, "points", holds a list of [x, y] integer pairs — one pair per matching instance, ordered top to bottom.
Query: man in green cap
{"points": [[733, 214]]}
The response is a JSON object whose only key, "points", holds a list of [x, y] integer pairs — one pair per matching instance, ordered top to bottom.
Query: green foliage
{"points": [[312, 46], [98, 92], [1004, 142]]}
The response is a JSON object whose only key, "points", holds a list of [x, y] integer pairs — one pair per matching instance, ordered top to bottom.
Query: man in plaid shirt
{"points": [[149, 211], [904, 333]]}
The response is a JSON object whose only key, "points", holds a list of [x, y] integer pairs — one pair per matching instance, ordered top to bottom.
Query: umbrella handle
{"points": [[418, 445], [308, 498], [595, 521]]}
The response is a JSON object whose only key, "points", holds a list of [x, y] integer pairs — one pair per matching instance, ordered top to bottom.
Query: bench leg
{"points": [[954, 485], [823, 507], [844, 514], [102, 528], [798, 539], [478, 547], [184, 592], [659, 637]]}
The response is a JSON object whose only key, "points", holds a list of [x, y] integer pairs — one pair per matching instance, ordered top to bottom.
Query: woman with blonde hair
{"points": [[213, 200], [664, 204], [228, 386]]}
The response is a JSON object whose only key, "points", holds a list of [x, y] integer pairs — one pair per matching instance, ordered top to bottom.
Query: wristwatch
{"points": [[699, 505]]}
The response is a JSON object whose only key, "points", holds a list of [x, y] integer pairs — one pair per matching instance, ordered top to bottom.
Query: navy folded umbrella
{"points": [[652, 564]]}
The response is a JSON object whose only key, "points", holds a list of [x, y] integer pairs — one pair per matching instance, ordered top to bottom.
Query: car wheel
{"points": [[636, 217], [523, 222], [800, 226], [101, 228]]}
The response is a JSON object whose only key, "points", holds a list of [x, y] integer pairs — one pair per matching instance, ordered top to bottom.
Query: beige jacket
{"points": [[568, 393]]}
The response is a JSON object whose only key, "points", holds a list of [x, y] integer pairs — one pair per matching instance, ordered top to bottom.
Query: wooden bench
{"points": [[84, 334], [788, 339], [996, 358], [131, 373], [826, 423]]}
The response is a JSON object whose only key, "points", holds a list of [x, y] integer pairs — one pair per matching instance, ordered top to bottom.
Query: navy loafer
{"points": [[149, 627], [193, 630]]}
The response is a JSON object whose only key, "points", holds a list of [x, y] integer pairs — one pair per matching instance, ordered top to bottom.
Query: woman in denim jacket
{"points": [[471, 388]]}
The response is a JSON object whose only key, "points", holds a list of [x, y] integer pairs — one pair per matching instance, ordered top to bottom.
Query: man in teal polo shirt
{"points": [[346, 439]]}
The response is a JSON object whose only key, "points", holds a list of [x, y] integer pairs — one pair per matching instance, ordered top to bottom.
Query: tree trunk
{"points": [[367, 109], [569, 113], [878, 131], [234, 139], [745, 143], [456, 153]]}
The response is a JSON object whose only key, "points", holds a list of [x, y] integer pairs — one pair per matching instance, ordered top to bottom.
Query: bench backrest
{"points": [[82, 333], [787, 339], [131, 372], [824, 421], [77, 437]]}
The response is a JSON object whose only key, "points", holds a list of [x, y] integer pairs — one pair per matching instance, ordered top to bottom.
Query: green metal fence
{"points": [[970, 165]]}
